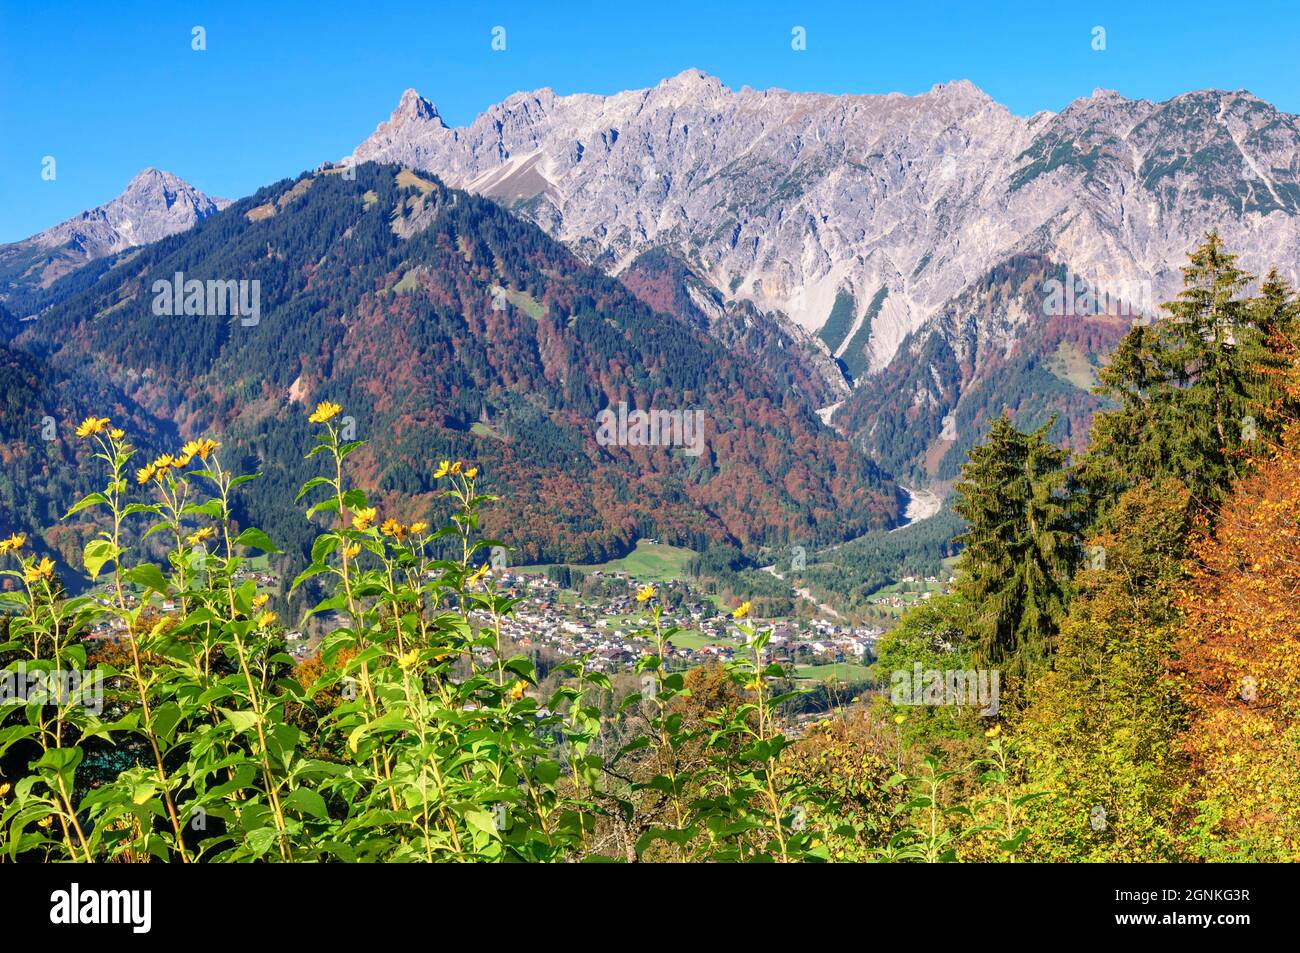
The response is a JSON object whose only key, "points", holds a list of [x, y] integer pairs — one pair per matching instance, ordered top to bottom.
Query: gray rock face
{"points": [[790, 200], [154, 205]]}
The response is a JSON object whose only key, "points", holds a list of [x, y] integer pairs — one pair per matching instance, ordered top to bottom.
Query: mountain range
{"points": [[789, 199], [868, 221], [846, 287], [447, 328]]}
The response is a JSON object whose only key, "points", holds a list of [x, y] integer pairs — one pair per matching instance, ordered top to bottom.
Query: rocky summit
{"points": [[154, 205], [872, 213]]}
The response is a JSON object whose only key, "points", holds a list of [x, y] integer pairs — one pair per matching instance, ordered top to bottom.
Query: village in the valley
{"points": [[607, 624], [616, 632]]}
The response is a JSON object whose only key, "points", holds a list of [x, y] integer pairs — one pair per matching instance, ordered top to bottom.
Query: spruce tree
{"points": [[1275, 314], [1188, 387], [1020, 544]]}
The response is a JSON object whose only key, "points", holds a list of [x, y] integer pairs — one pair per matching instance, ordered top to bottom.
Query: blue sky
{"points": [[108, 88]]}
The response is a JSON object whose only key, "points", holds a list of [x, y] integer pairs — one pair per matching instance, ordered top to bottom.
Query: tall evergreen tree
{"points": [[1275, 313], [1189, 387], [1020, 544]]}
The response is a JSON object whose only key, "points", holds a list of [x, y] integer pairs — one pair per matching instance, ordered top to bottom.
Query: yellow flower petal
{"points": [[324, 411], [91, 426], [199, 535], [38, 571]]}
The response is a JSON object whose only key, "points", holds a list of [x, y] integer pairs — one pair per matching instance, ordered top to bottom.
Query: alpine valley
{"points": [[846, 288]]}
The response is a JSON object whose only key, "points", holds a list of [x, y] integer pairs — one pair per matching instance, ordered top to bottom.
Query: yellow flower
{"points": [[324, 411], [91, 426], [117, 433], [197, 448], [164, 463], [455, 467], [443, 469], [472, 472], [145, 474], [363, 518], [419, 527], [395, 529], [199, 535], [12, 544], [353, 551], [37, 572], [477, 574], [645, 593], [260, 600], [741, 611], [266, 619], [407, 660], [517, 690], [899, 719], [993, 732], [4, 789], [45, 821]]}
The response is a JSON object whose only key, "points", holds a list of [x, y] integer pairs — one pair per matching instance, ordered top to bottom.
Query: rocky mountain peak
{"points": [[692, 80], [960, 89], [414, 107], [154, 205], [880, 209]]}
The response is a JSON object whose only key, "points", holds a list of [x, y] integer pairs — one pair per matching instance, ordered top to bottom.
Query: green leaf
{"points": [[311, 485], [90, 499], [211, 509], [257, 539], [323, 546], [96, 553], [307, 574], [149, 576], [241, 721], [61, 762], [308, 802]]}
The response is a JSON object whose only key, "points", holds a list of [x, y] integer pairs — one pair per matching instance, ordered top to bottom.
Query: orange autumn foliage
{"points": [[1238, 664]]}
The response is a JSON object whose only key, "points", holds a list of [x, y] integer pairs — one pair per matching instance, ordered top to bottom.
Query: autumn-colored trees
{"points": [[1238, 668], [1164, 722], [1100, 733]]}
